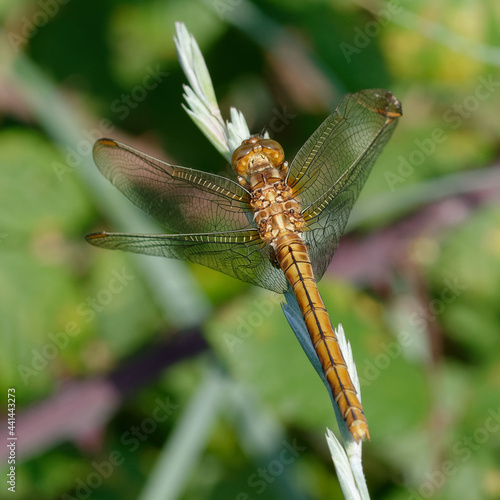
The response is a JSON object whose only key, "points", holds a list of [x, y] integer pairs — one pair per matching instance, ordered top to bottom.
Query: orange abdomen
{"points": [[294, 260]]}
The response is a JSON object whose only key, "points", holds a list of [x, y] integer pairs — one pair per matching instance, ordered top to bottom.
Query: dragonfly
{"points": [[277, 225]]}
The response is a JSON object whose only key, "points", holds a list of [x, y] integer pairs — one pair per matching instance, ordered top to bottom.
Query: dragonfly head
{"points": [[255, 155]]}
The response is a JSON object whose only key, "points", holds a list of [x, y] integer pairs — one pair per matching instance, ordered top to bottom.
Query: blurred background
{"points": [[149, 378]]}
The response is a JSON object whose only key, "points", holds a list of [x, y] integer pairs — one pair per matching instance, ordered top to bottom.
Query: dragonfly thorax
{"points": [[261, 168], [277, 212], [279, 219]]}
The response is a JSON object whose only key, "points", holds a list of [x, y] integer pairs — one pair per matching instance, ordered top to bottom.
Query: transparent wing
{"points": [[331, 168], [180, 199], [324, 231], [240, 254]]}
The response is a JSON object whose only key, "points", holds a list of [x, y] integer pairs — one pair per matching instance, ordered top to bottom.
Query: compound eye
{"points": [[273, 151], [239, 161]]}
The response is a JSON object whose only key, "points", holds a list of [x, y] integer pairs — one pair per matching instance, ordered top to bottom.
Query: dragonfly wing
{"points": [[344, 146], [331, 168], [180, 199], [324, 231], [240, 254]]}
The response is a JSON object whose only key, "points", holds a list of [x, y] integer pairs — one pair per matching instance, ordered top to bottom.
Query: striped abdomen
{"points": [[294, 259]]}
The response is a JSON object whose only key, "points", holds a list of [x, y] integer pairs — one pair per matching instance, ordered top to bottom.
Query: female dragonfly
{"points": [[277, 226]]}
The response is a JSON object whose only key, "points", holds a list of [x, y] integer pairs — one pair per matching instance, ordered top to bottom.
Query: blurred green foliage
{"points": [[428, 400]]}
